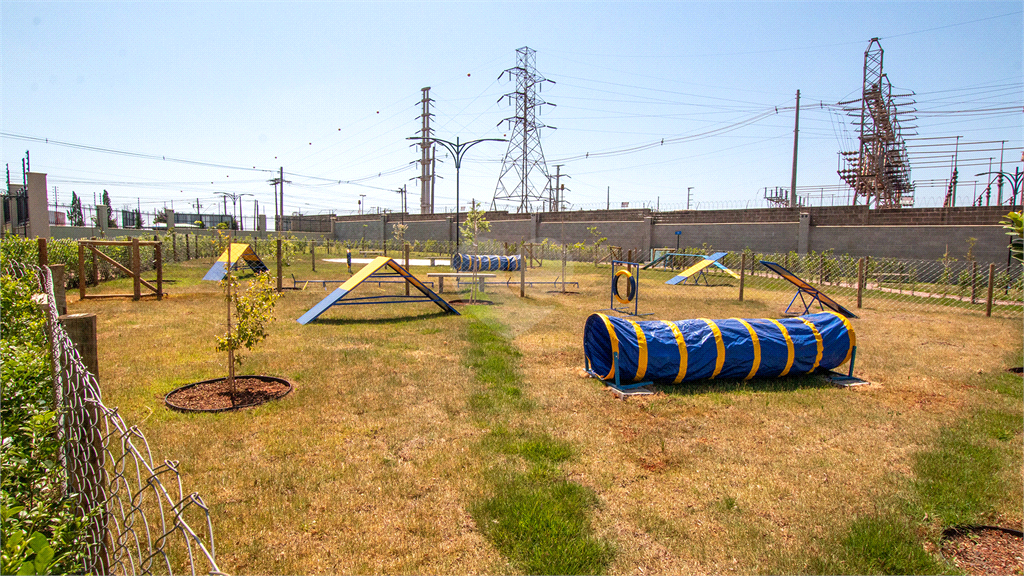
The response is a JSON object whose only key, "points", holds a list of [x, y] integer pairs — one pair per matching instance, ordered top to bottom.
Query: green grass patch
{"points": [[534, 448], [536, 519], [542, 524], [879, 545]]}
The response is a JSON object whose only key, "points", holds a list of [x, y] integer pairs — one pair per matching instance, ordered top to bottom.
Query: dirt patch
{"points": [[215, 395], [985, 550]]}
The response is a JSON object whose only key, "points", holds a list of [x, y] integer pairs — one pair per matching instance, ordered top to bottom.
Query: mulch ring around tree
{"points": [[215, 395], [984, 549]]}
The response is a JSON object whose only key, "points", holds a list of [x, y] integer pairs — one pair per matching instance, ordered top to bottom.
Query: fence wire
{"points": [[888, 283], [140, 519]]}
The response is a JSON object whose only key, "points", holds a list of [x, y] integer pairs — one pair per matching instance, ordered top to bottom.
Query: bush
{"points": [[41, 531]]}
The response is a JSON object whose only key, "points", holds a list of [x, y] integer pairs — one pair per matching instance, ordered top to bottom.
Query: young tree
{"points": [[75, 217], [138, 219], [1015, 224], [470, 230], [253, 309]]}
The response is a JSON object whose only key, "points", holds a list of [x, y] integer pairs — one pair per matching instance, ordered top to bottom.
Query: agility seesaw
{"points": [[381, 268], [803, 288]]}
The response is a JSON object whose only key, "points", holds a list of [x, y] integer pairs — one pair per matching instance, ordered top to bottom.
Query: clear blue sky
{"points": [[330, 91]]}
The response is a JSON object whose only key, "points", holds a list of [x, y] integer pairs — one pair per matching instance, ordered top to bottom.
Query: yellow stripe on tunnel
{"points": [[849, 330], [817, 339], [681, 342], [615, 345], [719, 345], [789, 347], [757, 348], [641, 359]]}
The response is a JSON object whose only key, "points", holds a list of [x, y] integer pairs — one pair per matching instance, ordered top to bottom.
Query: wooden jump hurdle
{"points": [[135, 271]]}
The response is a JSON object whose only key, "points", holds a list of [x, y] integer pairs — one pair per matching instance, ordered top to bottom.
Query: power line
{"points": [[127, 153]]}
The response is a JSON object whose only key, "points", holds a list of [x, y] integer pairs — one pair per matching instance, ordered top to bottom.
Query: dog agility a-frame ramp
{"points": [[230, 259], [381, 266]]}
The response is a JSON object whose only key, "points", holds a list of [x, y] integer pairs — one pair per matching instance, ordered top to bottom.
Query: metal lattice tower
{"points": [[426, 156], [524, 166], [879, 171]]}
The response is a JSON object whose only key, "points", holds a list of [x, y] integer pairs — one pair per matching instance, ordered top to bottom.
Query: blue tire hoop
{"points": [[630, 287]]}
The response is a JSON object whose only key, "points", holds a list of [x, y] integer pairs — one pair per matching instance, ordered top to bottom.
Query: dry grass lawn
{"points": [[372, 463]]}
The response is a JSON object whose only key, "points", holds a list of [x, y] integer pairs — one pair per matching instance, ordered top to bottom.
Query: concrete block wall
{"points": [[923, 233]]}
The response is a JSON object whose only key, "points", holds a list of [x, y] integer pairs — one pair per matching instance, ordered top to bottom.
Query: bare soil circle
{"points": [[215, 395]]}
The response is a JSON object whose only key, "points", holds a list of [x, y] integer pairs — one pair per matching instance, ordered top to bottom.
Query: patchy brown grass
{"points": [[371, 463]]}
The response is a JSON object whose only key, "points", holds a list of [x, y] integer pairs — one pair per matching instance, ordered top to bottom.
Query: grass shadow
{"points": [[392, 320], [787, 384]]}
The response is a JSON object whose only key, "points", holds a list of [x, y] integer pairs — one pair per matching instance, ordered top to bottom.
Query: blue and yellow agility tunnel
{"points": [[466, 263], [687, 350]]}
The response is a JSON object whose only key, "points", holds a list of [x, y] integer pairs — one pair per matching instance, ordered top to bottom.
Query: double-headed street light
{"points": [[458, 150], [1015, 182]]}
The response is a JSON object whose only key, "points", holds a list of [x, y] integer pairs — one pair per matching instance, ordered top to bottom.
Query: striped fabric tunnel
{"points": [[687, 350]]}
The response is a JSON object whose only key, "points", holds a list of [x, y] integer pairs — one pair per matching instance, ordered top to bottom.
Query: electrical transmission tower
{"points": [[427, 153], [524, 163], [879, 172]]}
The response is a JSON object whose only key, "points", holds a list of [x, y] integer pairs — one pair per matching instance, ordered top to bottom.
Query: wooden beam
{"points": [[120, 266]]}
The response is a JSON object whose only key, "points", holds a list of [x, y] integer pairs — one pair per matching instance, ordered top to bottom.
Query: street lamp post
{"points": [[458, 150], [1015, 181]]}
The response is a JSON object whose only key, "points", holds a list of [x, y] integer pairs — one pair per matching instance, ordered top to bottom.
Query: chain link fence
{"points": [[884, 283], [141, 521]]}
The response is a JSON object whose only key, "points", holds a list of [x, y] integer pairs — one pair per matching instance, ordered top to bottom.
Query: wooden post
{"points": [[174, 246], [188, 252], [312, 253], [44, 258], [407, 266], [563, 267], [95, 268], [821, 269], [136, 270], [279, 270], [522, 270], [81, 271], [159, 271], [743, 272], [974, 281], [860, 282], [991, 283], [59, 295], [83, 439]]}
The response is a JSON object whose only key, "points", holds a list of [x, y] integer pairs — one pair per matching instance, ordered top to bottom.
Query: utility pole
{"points": [[796, 134], [426, 160], [402, 192], [281, 196], [361, 196], [608, 199], [556, 201]]}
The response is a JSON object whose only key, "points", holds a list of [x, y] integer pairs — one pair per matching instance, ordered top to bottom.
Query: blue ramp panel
{"points": [[466, 263], [687, 350]]}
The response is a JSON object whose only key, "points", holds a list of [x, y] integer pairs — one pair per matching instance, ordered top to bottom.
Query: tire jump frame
{"points": [[630, 271]]}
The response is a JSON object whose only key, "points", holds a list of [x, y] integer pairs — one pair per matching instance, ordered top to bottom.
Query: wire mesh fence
{"points": [[886, 283], [140, 519]]}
